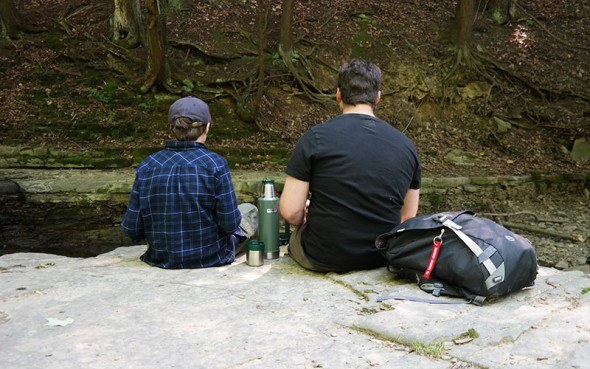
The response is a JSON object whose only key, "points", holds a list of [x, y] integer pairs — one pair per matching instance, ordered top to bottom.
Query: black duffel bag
{"points": [[460, 254]]}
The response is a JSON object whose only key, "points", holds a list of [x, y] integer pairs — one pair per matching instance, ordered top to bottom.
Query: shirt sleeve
{"points": [[299, 165], [226, 208], [132, 223]]}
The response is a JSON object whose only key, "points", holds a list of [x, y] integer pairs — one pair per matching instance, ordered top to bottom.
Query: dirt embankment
{"points": [[68, 89]]}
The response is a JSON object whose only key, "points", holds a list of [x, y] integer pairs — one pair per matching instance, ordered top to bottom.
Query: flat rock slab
{"points": [[115, 311]]}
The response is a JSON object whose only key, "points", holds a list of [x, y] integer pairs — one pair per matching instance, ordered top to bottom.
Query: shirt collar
{"points": [[184, 145]]}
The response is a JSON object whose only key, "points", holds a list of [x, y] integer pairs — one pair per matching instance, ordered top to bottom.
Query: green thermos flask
{"points": [[268, 219]]}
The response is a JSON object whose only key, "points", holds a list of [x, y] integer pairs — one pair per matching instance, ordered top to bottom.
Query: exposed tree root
{"points": [[63, 19], [204, 53], [469, 60], [305, 79], [168, 85], [526, 213], [534, 229]]}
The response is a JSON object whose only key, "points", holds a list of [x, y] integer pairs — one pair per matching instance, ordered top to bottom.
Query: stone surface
{"points": [[474, 90], [502, 126], [581, 150], [43, 157], [460, 157], [111, 186], [8, 187], [77, 212], [113, 311]]}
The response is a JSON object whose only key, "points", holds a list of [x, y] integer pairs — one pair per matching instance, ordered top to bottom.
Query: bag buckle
{"points": [[433, 288]]}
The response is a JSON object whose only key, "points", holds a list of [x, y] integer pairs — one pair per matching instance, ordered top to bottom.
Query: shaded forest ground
{"points": [[69, 87]]}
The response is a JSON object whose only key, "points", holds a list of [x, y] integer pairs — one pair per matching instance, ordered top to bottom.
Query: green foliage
{"points": [[174, 6], [366, 15], [363, 16], [54, 41], [106, 94], [147, 104], [108, 118], [238, 157], [437, 200], [585, 290], [471, 333], [436, 349]]}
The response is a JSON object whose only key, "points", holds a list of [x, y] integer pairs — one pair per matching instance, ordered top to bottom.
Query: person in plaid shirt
{"points": [[183, 201]]}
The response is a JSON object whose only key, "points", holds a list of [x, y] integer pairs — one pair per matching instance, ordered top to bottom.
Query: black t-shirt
{"points": [[359, 169]]}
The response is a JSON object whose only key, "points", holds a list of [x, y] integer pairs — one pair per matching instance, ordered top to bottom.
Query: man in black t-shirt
{"points": [[363, 176]]}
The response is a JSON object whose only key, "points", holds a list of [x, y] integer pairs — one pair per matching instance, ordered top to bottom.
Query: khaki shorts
{"points": [[297, 253]]}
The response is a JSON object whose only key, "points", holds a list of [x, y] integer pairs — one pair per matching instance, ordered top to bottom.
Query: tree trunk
{"points": [[499, 10], [262, 15], [12, 21], [463, 25], [127, 30], [286, 41], [158, 69]]}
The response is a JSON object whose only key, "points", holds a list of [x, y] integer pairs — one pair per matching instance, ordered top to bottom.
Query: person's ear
{"points": [[338, 96], [378, 98], [207, 129]]}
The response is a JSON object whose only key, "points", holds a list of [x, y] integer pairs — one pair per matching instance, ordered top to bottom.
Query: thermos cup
{"points": [[268, 219], [255, 253]]}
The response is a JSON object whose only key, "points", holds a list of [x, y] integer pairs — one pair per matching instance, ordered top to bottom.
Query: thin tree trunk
{"points": [[13, 23], [127, 23], [262, 24], [463, 24], [286, 41], [158, 70]]}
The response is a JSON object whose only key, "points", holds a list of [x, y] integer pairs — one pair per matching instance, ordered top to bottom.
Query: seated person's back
{"points": [[363, 175], [183, 202]]}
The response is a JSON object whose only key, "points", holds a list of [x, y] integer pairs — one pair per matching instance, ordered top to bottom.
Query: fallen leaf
{"points": [[54, 322], [461, 341]]}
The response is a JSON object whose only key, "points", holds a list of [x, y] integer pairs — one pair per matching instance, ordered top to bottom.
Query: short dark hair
{"points": [[359, 82], [186, 130]]}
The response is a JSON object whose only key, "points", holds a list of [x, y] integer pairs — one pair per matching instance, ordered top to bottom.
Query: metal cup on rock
{"points": [[255, 253]]}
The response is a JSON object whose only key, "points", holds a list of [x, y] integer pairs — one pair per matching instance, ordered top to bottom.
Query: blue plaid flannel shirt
{"points": [[183, 203]]}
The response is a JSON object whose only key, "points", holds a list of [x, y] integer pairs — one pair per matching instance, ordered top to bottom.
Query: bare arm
{"points": [[293, 201], [410, 208]]}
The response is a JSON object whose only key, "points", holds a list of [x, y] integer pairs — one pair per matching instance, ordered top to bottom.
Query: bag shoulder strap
{"points": [[435, 287], [478, 300]]}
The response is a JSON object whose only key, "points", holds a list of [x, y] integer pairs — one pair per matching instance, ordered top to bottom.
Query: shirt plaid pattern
{"points": [[183, 203]]}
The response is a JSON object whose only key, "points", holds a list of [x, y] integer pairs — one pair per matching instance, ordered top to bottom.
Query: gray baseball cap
{"points": [[191, 107]]}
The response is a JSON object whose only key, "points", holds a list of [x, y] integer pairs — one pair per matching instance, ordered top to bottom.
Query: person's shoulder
{"points": [[335, 120], [323, 126], [391, 128], [213, 155], [152, 159], [218, 160]]}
